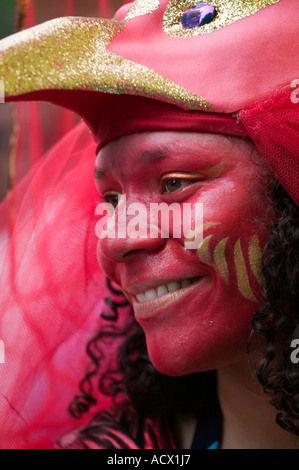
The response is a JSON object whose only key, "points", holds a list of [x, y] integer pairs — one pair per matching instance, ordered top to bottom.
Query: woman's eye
{"points": [[171, 185], [112, 198]]}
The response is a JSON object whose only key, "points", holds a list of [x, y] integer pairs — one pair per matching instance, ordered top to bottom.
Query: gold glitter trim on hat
{"points": [[142, 7], [228, 11], [70, 54]]}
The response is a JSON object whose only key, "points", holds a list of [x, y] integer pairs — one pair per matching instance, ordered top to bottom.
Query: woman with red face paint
{"points": [[191, 347]]}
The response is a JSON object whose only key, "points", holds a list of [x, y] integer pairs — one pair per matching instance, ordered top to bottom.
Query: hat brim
{"points": [[65, 61]]}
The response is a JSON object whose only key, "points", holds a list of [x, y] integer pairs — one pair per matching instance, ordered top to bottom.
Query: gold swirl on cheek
{"points": [[142, 7], [228, 11], [70, 53], [203, 252], [217, 258], [220, 260], [242, 275]]}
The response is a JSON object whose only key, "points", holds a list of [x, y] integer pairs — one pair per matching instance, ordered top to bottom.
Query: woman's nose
{"points": [[127, 233], [120, 249]]}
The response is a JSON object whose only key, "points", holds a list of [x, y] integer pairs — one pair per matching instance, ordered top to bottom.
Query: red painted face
{"points": [[195, 305]]}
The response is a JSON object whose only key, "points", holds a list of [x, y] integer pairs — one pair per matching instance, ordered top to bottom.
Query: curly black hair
{"points": [[278, 320], [135, 378]]}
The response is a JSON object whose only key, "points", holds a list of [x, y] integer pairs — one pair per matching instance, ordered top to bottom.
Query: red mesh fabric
{"points": [[37, 125], [273, 125], [52, 289], [52, 293]]}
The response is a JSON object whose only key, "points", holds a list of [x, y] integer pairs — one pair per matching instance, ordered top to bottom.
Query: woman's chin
{"points": [[177, 360], [173, 364]]}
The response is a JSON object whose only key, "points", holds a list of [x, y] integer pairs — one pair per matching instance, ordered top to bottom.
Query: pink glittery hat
{"points": [[179, 59], [219, 62]]}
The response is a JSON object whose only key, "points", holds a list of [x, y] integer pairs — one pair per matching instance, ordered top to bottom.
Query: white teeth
{"points": [[173, 286], [161, 290], [150, 294], [141, 298]]}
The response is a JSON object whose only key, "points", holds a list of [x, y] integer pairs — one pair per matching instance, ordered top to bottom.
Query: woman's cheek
{"points": [[233, 240], [235, 260], [107, 265]]}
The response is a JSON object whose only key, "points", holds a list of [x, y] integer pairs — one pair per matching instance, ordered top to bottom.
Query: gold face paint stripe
{"points": [[228, 12], [208, 225], [193, 233], [203, 251], [255, 257], [220, 260], [242, 275]]}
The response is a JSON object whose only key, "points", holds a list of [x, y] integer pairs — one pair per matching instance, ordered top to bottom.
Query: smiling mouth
{"points": [[163, 289]]}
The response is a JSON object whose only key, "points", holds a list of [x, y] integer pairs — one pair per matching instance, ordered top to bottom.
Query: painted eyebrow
{"points": [[155, 155], [149, 156], [99, 173]]}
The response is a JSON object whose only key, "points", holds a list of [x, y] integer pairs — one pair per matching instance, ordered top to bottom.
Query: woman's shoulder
{"points": [[120, 427]]}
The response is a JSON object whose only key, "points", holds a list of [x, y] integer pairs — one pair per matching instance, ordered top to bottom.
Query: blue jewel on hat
{"points": [[198, 15]]}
